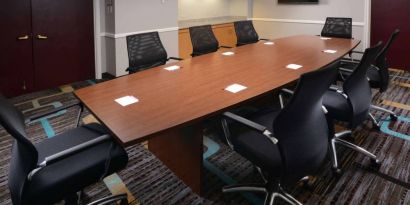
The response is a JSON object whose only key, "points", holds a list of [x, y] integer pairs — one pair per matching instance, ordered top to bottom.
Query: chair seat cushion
{"points": [[337, 106], [256, 147], [76, 172]]}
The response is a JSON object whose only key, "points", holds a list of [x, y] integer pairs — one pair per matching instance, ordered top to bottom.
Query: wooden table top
{"points": [[171, 98]]}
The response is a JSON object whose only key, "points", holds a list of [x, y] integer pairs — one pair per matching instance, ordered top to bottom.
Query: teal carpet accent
{"points": [[91, 82], [44, 121], [47, 128], [385, 128], [213, 148]]}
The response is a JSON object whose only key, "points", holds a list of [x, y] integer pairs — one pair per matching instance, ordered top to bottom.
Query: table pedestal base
{"points": [[181, 149]]}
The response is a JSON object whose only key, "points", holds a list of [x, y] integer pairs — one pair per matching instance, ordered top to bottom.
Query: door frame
{"points": [[367, 22], [97, 38]]}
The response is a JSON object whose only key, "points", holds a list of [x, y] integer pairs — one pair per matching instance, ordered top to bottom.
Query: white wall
{"points": [[238, 8], [325, 8], [199, 9], [140, 15], [129, 17], [273, 20]]}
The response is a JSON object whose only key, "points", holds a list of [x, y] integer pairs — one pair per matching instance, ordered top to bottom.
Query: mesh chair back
{"points": [[337, 27], [245, 33], [203, 40], [145, 51], [382, 64], [357, 86], [302, 128], [24, 154]]}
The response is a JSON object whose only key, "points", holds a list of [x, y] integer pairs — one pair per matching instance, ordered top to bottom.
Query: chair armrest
{"points": [[225, 47], [359, 52], [175, 58], [347, 60], [350, 60], [375, 67], [345, 70], [334, 88], [285, 90], [337, 90], [324, 109], [45, 114], [252, 125], [255, 126], [69, 152], [110, 199]]}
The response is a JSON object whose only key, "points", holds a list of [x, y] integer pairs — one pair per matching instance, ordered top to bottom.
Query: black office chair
{"points": [[337, 27], [245, 33], [203, 40], [146, 51], [378, 74], [352, 104], [284, 145], [59, 167]]}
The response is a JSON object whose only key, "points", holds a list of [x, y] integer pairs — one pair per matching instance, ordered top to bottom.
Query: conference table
{"points": [[173, 103]]}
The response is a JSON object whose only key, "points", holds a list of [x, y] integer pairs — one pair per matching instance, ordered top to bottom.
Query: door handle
{"points": [[25, 37], [41, 37]]}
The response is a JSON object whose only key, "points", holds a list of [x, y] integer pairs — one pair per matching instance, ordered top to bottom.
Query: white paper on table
{"points": [[325, 38], [269, 43], [330, 51], [229, 53], [294, 66], [172, 68], [234, 88], [126, 100]]}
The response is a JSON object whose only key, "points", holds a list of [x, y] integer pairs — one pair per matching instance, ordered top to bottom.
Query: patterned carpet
{"points": [[148, 181]]}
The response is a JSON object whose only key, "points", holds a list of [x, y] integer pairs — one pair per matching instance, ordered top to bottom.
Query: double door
{"points": [[387, 15], [44, 44]]}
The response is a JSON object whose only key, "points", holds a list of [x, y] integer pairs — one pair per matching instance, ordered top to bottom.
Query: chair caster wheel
{"points": [[393, 117], [376, 127], [375, 164], [337, 172], [307, 182]]}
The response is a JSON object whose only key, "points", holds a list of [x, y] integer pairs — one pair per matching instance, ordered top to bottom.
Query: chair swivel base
{"points": [[393, 115], [376, 123], [338, 139], [272, 192]]}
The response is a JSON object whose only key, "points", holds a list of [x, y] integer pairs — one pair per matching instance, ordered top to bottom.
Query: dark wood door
{"points": [[388, 15], [63, 41], [16, 73]]}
